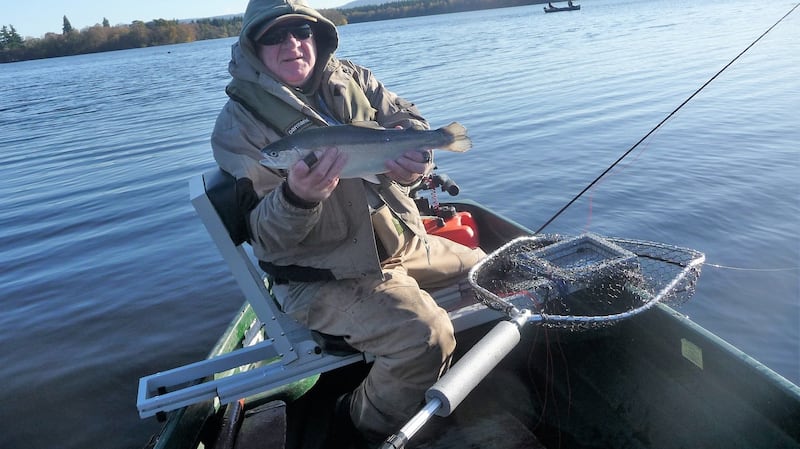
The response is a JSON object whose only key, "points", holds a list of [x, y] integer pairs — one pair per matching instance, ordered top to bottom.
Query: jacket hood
{"points": [[258, 17]]}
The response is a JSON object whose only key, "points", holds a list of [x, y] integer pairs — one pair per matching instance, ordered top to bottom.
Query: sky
{"points": [[34, 18]]}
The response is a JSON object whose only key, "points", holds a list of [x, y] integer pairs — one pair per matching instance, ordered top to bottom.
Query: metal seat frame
{"points": [[289, 349]]}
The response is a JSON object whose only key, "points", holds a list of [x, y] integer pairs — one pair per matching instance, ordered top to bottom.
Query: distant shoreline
{"points": [[103, 38]]}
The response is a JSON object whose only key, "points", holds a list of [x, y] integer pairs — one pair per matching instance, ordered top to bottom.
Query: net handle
{"points": [[448, 392]]}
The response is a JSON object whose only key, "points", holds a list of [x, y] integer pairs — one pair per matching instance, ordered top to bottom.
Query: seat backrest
{"points": [[220, 187], [213, 195]]}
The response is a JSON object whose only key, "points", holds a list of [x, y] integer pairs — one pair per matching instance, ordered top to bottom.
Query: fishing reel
{"points": [[424, 194]]}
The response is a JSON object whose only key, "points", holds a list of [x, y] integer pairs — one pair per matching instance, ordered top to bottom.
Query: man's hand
{"points": [[410, 167], [316, 183]]}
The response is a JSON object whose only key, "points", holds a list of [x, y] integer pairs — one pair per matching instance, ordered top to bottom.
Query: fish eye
{"points": [[273, 154]]}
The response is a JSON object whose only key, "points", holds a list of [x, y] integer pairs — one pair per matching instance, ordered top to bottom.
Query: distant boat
{"points": [[561, 8]]}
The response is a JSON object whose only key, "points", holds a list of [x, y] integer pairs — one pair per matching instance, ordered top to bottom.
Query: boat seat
{"points": [[221, 190], [290, 351]]}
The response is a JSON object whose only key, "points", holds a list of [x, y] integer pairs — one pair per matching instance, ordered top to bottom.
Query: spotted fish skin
{"points": [[367, 148]]}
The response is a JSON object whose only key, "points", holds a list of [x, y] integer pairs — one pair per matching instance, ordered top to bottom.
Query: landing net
{"points": [[586, 281]]}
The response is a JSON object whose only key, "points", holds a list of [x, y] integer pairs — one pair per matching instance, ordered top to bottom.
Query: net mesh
{"points": [[586, 281]]}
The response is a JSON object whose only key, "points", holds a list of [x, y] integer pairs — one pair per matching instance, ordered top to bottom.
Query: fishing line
{"points": [[669, 116], [591, 198], [768, 270]]}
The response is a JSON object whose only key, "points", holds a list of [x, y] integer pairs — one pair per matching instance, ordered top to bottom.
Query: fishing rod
{"points": [[655, 128], [453, 387]]}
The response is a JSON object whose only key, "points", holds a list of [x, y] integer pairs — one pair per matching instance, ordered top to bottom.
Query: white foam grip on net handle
{"points": [[465, 375]]}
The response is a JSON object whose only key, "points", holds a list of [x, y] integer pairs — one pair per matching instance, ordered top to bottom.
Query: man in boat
{"points": [[354, 254]]}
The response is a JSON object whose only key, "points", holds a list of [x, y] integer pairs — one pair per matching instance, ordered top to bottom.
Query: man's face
{"points": [[289, 52]]}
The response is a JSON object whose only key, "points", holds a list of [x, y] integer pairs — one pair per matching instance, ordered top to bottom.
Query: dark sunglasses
{"points": [[279, 35]]}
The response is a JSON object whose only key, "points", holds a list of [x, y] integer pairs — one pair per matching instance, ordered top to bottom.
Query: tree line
{"points": [[104, 37]]}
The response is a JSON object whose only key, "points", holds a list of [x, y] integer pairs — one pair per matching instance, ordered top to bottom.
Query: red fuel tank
{"points": [[460, 227]]}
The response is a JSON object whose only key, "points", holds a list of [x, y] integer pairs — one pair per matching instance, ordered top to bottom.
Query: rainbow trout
{"points": [[367, 149]]}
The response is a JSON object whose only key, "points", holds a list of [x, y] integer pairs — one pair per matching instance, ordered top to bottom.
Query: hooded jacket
{"points": [[335, 236]]}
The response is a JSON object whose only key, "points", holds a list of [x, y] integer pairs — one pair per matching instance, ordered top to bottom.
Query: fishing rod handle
{"points": [[447, 184], [476, 364], [399, 439]]}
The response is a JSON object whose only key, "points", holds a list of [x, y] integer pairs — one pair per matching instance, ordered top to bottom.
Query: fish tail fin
{"points": [[458, 134]]}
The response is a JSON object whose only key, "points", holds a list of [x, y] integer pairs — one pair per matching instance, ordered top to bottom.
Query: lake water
{"points": [[107, 275]]}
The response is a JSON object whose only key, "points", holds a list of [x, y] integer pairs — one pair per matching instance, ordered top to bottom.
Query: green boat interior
{"points": [[656, 380]]}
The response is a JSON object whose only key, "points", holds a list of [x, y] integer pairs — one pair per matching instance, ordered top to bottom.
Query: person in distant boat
{"points": [[569, 3], [550, 5], [354, 254]]}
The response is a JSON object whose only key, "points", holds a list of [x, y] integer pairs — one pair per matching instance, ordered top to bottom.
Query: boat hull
{"points": [[560, 8], [657, 380]]}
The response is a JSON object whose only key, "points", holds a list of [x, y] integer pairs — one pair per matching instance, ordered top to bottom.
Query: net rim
{"points": [[691, 262]]}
